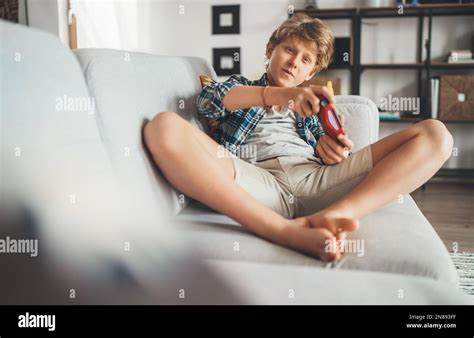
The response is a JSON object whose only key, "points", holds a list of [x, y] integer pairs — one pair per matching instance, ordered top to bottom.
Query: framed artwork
{"points": [[226, 19], [226, 61]]}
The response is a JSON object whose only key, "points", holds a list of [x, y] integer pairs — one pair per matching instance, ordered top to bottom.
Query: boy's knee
{"points": [[164, 119], [159, 131], [440, 136]]}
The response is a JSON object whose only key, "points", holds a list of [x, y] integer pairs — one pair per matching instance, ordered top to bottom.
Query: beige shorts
{"points": [[297, 186]]}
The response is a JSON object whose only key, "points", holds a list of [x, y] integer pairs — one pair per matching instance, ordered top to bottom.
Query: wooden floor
{"points": [[449, 206]]}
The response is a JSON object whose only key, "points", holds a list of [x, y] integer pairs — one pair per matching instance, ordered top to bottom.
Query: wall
{"points": [[43, 14]]}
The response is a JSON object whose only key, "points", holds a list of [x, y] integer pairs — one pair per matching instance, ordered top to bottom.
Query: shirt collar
{"points": [[264, 80]]}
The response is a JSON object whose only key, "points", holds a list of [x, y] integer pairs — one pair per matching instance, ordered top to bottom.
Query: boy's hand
{"points": [[303, 100], [331, 151]]}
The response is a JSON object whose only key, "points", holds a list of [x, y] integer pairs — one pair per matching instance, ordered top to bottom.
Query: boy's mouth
{"points": [[287, 72]]}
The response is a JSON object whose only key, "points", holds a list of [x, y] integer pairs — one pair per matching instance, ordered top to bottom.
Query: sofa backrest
{"points": [[130, 89], [361, 119], [49, 132], [54, 168]]}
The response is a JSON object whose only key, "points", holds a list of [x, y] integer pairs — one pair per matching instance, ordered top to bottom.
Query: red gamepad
{"points": [[330, 120]]}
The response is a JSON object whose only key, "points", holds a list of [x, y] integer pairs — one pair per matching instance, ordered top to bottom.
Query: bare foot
{"points": [[335, 222], [314, 234], [300, 235]]}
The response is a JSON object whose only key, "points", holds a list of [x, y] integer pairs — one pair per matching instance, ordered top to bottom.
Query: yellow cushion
{"points": [[206, 80]]}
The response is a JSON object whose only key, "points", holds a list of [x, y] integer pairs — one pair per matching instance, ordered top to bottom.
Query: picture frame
{"points": [[226, 19], [226, 61]]}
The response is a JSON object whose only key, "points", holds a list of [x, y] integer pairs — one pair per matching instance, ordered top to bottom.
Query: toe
{"points": [[347, 224], [341, 236], [330, 250], [330, 256]]}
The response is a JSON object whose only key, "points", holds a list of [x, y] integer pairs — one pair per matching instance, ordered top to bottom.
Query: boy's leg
{"points": [[189, 159], [402, 162]]}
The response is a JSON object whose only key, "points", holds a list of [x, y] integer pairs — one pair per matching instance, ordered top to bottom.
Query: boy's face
{"points": [[291, 62]]}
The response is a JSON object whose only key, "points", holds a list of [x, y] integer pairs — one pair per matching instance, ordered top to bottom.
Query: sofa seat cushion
{"points": [[396, 238], [258, 283]]}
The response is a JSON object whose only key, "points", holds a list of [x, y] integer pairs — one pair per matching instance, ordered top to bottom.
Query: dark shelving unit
{"points": [[423, 68]]}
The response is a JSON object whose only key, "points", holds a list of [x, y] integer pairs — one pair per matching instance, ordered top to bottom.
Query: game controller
{"points": [[329, 118]]}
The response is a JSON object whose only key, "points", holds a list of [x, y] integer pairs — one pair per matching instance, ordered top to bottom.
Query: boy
{"points": [[299, 188]]}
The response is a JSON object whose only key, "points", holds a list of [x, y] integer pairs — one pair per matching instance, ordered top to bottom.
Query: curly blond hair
{"points": [[306, 29]]}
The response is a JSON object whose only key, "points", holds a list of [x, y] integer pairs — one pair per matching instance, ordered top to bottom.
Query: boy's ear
{"points": [[269, 50]]}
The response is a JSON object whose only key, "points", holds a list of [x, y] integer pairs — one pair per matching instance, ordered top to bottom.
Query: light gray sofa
{"points": [[112, 230]]}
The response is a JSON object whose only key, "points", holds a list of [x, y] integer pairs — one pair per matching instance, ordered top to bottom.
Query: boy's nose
{"points": [[291, 64]]}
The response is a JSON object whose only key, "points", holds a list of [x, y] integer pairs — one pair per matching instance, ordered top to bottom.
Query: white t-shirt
{"points": [[275, 136]]}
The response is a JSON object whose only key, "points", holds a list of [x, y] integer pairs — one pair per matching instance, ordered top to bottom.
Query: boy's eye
{"points": [[289, 49]]}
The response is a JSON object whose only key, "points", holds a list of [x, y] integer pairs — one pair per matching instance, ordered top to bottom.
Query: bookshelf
{"points": [[424, 68]]}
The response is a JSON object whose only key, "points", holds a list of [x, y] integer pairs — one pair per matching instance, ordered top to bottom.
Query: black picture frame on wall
{"points": [[234, 11], [217, 59]]}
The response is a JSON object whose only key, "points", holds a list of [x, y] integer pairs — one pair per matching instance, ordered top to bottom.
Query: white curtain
{"points": [[107, 23]]}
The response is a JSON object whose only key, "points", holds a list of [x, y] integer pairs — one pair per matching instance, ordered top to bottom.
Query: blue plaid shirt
{"points": [[232, 128]]}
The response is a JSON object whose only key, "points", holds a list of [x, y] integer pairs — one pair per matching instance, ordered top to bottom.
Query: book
{"points": [[461, 53], [460, 56], [458, 60], [434, 97], [389, 116]]}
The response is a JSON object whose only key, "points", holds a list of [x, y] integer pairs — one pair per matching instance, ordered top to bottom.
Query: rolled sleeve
{"points": [[210, 101]]}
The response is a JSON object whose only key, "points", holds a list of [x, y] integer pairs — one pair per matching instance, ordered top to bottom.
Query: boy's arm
{"points": [[251, 96], [244, 97], [222, 98], [210, 102]]}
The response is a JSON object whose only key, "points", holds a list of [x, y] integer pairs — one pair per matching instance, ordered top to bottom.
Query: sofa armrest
{"points": [[361, 119]]}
